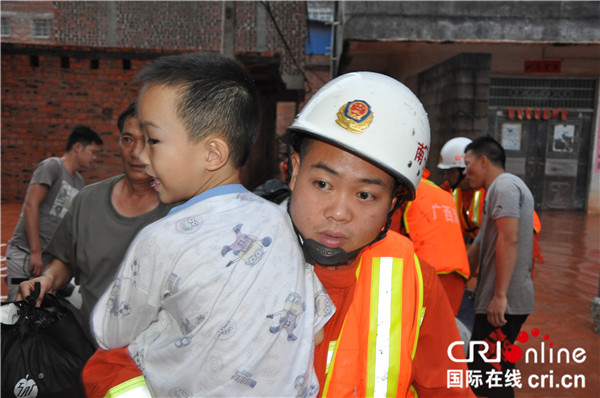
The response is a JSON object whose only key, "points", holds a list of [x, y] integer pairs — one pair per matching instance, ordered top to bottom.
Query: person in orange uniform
{"points": [[361, 145], [469, 201], [431, 222]]}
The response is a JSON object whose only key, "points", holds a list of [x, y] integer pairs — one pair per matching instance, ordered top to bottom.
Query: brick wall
{"points": [[183, 25], [84, 74], [47, 90], [455, 95], [41, 104]]}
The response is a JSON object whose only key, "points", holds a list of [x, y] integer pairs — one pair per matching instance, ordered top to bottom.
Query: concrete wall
{"points": [[522, 21], [408, 40], [455, 95]]}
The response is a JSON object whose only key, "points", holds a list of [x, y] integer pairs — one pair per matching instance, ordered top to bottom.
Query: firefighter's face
{"points": [[338, 199]]}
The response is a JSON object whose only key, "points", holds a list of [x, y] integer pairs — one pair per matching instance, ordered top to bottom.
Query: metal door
{"points": [[545, 127]]}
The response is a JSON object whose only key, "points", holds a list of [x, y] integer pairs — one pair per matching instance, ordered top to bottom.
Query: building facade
{"points": [[69, 63], [524, 72]]}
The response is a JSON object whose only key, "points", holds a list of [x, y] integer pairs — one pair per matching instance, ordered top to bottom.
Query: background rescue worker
{"points": [[469, 201], [431, 222]]}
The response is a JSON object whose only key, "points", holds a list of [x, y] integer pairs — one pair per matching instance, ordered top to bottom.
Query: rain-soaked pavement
{"points": [[561, 357]]}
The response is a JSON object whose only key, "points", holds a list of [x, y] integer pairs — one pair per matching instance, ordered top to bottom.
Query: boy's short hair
{"points": [[217, 96], [131, 111], [84, 135], [490, 148]]}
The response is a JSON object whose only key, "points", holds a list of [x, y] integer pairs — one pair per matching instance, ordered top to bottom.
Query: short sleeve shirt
{"points": [[62, 188], [507, 196], [93, 237]]}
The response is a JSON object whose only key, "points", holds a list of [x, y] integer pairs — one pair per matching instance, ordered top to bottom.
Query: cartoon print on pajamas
{"points": [[246, 247], [117, 308], [288, 317], [188, 326], [244, 377], [304, 390]]}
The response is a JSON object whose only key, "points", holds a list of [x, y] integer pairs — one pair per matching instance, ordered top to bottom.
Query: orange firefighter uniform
{"points": [[469, 207], [431, 222], [392, 327]]}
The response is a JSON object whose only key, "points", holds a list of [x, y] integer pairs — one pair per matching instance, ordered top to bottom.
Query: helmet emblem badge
{"points": [[355, 116]]}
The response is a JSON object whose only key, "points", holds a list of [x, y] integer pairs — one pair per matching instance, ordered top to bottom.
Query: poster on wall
{"points": [[511, 136], [564, 138]]}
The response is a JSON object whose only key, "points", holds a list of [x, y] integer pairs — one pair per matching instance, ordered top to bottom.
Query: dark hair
{"points": [[216, 96], [131, 111], [82, 134], [490, 148]]}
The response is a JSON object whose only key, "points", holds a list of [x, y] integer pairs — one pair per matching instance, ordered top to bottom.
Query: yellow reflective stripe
{"points": [[430, 182], [456, 194], [475, 205], [405, 218], [449, 272], [420, 308], [386, 316], [372, 339], [395, 346], [330, 352], [382, 353], [126, 389], [414, 392]]}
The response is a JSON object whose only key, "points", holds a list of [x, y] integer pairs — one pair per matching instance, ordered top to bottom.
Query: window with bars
{"points": [[5, 27], [40, 28], [539, 93]]}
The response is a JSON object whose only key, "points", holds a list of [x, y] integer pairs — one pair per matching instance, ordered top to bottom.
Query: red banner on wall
{"points": [[543, 66]]}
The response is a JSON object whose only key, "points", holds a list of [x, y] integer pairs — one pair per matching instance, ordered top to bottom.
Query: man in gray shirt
{"points": [[54, 184], [92, 238], [502, 251]]}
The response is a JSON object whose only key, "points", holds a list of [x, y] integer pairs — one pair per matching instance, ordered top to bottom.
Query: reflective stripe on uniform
{"points": [[475, 208], [386, 290], [381, 328], [132, 388]]}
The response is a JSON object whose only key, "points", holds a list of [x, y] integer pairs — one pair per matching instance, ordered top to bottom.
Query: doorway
{"points": [[545, 127]]}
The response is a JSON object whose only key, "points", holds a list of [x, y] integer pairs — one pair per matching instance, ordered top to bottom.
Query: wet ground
{"points": [[561, 357]]}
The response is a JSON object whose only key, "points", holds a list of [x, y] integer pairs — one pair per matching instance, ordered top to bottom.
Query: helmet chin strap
{"points": [[317, 253]]}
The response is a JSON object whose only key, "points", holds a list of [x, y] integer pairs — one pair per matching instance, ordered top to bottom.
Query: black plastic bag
{"points": [[44, 351]]}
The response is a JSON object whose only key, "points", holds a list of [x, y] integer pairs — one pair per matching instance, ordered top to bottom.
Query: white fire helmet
{"points": [[373, 116], [452, 154]]}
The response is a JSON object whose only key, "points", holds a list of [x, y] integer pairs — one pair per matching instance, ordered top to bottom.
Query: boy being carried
{"points": [[215, 299]]}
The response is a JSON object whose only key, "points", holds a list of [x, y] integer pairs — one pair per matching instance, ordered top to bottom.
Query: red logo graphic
{"points": [[357, 110], [421, 154], [514, 352]]}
